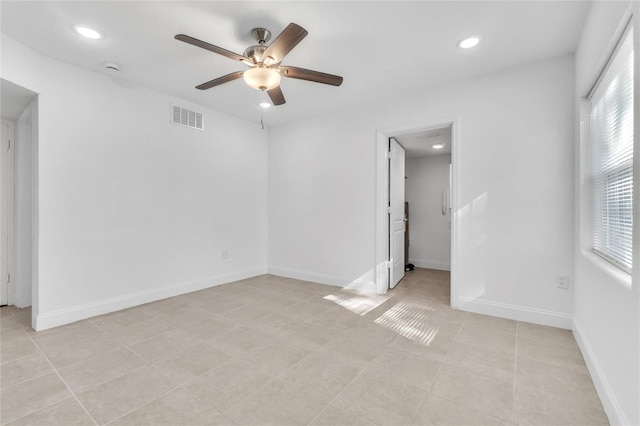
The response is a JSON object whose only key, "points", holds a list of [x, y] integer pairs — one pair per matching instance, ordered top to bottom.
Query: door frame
{"points": [[381, 204], [7, 210]]}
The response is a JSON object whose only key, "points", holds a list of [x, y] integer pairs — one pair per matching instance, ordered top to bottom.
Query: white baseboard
{"points": [[427, 264], [308, 276], [517, 313], [46, 320], [607, 397]]}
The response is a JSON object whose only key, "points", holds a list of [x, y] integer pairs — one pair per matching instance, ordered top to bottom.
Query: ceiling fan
{"points": [[264, 61]]}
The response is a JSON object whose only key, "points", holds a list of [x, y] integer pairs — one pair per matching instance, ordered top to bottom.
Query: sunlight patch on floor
{"points": [[358, 302], [410, 320]]}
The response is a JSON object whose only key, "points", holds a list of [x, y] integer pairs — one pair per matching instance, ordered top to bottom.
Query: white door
{"points": [[6, 208], [396, 215]]}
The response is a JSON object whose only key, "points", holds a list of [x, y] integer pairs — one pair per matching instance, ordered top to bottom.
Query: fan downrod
{"points": [[262, 35]]}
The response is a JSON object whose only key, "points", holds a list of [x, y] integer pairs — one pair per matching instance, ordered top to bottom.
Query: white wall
{"points": [[131, 207], [515, 209], [429, 229], [607, 303]]}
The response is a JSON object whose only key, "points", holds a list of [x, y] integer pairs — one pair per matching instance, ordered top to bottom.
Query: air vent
{"points": [[187, 118]]}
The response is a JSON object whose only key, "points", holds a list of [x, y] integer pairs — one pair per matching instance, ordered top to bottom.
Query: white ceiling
{"points": [[382, 49], [420, 144]]}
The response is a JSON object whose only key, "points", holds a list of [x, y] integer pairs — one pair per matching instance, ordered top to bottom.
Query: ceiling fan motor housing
{"points": [[255, 53]]}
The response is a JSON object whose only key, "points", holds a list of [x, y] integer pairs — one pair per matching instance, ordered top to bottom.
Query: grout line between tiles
{"points": [[64, 382], [143, 405], [413, 417]]}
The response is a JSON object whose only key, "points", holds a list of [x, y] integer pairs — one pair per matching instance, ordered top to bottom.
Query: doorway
{"points": [[418, 143], [19, 201]]}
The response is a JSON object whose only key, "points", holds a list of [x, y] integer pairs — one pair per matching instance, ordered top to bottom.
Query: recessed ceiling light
{"points": [[87, 32], [469, 42], [264, 105], [438, 146]]}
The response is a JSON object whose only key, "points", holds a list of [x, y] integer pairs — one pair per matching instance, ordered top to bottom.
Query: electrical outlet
{"points": [[225, 254], [562, 281]]}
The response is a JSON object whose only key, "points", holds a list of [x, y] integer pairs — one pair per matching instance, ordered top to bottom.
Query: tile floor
{"points": [[272, 350]]}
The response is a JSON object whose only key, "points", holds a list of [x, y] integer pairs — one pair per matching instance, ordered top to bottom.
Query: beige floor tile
{"points": [[430, 290], [277, 301], [224, 303], [162, 307], [442, 309], [306, 310], [247, 313], [23, 316], [186, 317], [338, 317], [120, 318], [9, 323], [275, 323], [494, 323], [210, 327], [137, 331], [69, 333], [311, 335], [546, 335], [487, 338], [241, 341], [16, 344], [163, 345], [360, 346], [435, 347], [67, 352], [566, 355], [276, 356], [482, 359], [191, 363], [372, 366], [406, 367], [100, 369], [20, 370], [323, 371], [573, 382], [227, 385], [492, 395], [26, 397], [112, 399], [379, 400], [277, 403], [178, 407], [538, 407], [439, 411], [64, 413], [332, 416]]}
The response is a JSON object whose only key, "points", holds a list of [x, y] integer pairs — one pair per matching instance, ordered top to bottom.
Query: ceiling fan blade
{"points": [[285, 42], [210, 47], [310, 75], [220, 80], [276, 95]]}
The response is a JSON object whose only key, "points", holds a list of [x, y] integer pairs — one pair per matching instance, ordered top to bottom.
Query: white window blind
{"points": [[611, 157]]}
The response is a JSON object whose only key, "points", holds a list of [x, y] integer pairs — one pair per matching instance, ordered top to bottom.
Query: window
{"points": [[611, 157]]}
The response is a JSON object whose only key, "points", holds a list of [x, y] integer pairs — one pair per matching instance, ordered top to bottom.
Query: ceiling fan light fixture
{"points": [[262, 78], [265, 105], [438, 146]]}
